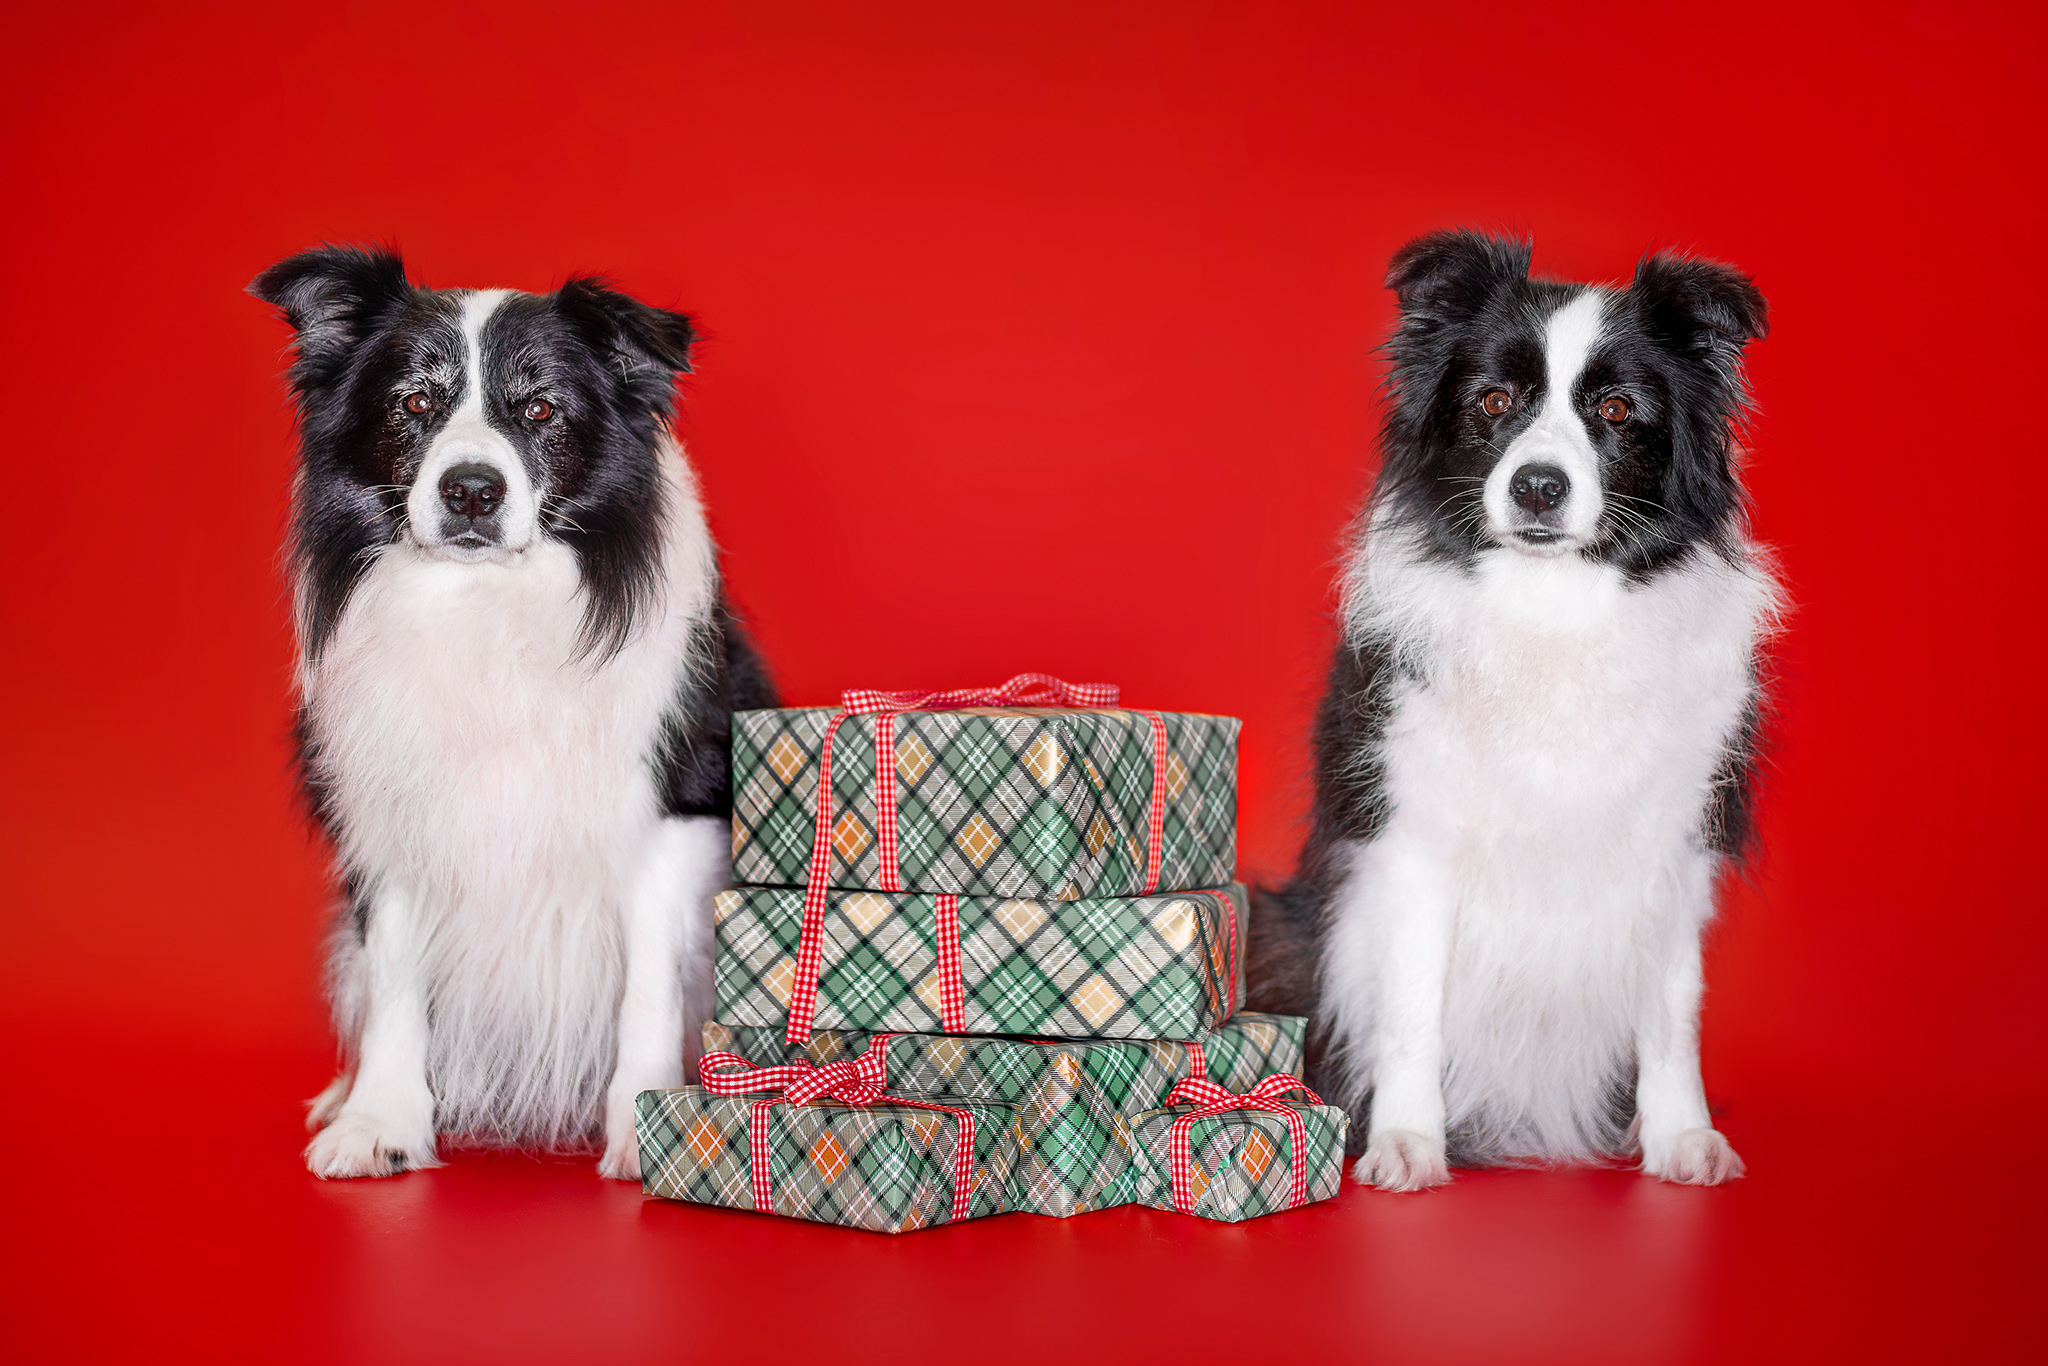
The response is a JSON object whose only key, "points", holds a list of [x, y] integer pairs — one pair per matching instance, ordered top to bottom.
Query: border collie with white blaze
{"points": [[516, 674], [1534, 756]]}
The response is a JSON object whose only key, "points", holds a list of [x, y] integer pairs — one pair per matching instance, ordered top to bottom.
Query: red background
{"points": [[1039, 337]]}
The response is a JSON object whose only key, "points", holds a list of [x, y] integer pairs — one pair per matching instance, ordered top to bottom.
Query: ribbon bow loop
{"points": [[1025, 690]]}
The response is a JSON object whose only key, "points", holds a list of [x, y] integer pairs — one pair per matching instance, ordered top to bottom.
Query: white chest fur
{"points": [[1551, 700], [466, 747]]}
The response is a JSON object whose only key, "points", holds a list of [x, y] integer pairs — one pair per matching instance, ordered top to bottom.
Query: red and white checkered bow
{"points": [[1032, 689], [862, 1081], [1211, 1100]]}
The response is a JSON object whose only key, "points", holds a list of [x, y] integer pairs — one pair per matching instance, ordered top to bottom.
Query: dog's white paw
{"points": [[321, 1109], [362, 1145], [1696, 1157], [621, 1160], [1402, 1160]]}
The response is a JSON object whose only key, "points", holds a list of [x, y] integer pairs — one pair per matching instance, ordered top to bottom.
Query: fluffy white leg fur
{"points": [[668, 930], [1406, 948], [321, 1109], [386, 1124], [1679, 1142]]}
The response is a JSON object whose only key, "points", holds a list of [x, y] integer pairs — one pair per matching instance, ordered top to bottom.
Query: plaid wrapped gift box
{"points": [[990, 801], [1153, 967], [1073, 1100], [1241, 1162], [883, 1167]]}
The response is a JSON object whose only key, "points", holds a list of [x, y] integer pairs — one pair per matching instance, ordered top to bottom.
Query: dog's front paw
{"points": [[362, 1145], [1696, 1157], [621, 1160], [1402, 1160]]}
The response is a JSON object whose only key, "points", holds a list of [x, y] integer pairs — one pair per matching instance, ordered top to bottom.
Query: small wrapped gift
{"points": [[1037, 788], [1152, 967], [1073, 1100], [832, 1146], [1233, 1157]]}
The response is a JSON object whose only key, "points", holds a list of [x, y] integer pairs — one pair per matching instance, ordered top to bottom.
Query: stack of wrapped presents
{"points": [[985, 955]]}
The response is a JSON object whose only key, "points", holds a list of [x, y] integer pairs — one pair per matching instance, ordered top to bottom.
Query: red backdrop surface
{"points": [[1038, 337]]}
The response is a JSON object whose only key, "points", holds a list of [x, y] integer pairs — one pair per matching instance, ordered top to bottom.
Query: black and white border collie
{"points": [[516, 671], [1534, 756]]}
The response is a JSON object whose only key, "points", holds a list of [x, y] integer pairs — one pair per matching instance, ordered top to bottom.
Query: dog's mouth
{"points": [[1541, 540]]}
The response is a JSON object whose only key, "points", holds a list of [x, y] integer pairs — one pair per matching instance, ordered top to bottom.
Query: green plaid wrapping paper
{"points": [[992, 801], [1150, 967], [1073, 1100], [1241, 1159], [886, 1168]]}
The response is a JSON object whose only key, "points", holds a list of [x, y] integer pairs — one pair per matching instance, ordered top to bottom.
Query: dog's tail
{"points": [[1281, 970]]}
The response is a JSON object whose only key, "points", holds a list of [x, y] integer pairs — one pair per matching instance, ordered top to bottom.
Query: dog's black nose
{"points": [[1539, 488], [472, 490]]}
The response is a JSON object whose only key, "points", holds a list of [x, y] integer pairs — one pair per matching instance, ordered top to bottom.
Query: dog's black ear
{"points": [[1452, 274], [332, 296], [1694, 305], [637, 336]]}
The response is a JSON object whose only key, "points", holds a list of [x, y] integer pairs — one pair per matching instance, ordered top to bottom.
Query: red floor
{"points": [[156, 1210]]}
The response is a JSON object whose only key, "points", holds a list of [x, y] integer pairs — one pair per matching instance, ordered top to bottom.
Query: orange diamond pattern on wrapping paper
{"points": [[786, 758], [913, 758], [1043, 759], [1176, 777], [1099, 834], [850, 837], [978, 840], [722, 905], [865, 910], [1020, 918], [1175, 924], [778, 979], [928, 992], [1096, 1000], [717, 1037], [947, 1056], [1068, 1069], [927, 1127], [704, 1141], [1258, 1155], [828, 1157], [1198, 1180], [916, 1219]]}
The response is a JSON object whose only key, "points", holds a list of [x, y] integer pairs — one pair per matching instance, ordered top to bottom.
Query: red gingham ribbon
{"points": [[1030, 689], [862, 1081], [1210, 1100]]}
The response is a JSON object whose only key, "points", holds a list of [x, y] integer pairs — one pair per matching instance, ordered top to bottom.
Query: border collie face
{"points": [[1554, 419], [473, 424]]}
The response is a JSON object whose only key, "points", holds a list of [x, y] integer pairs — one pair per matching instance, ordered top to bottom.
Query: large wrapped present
{"points": [[983, 794], [1151, 967], [1073, 1100], [832, 1146], [1233, 1157]]}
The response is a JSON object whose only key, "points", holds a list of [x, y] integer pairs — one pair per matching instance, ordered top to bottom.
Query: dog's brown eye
{"points": [[417, 402], [1496, 402], [540, 410], [1615, 410]]}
